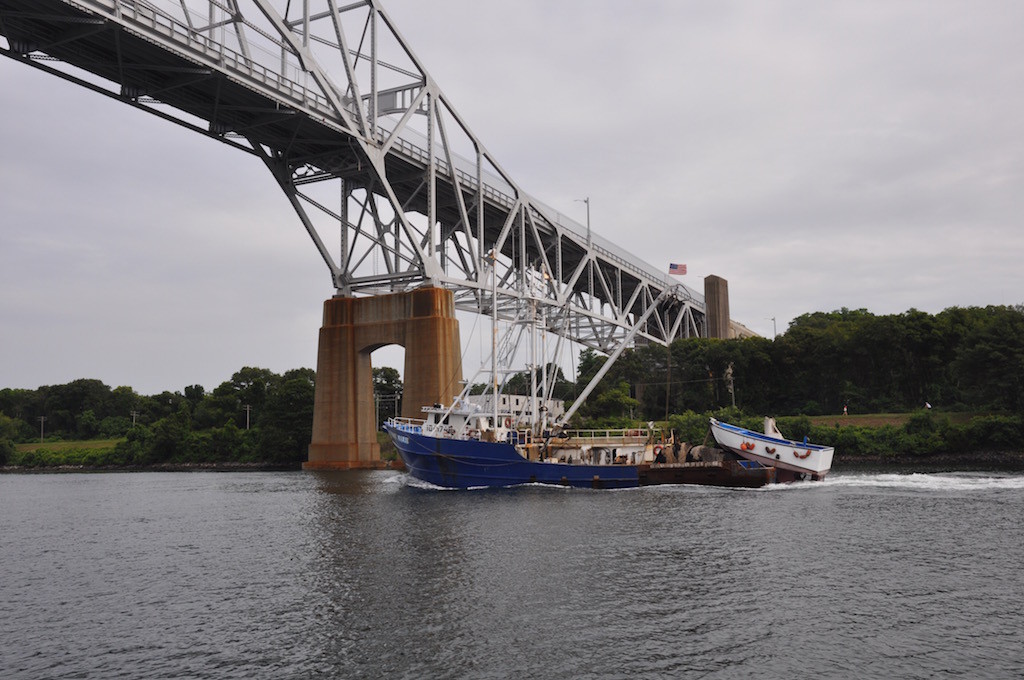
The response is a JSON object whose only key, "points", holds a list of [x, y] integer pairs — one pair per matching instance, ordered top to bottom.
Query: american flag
{"points": [[677, 269]]}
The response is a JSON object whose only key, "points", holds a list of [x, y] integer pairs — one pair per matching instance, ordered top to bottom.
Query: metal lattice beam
{"points": [[388, 180]]}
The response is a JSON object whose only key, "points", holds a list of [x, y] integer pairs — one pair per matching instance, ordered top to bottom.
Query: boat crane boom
{"points": [[613, 357]]}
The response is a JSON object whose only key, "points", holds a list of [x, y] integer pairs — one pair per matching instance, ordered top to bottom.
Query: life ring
{"points": [[508, 421], [658, 448], [769, 449], [803, 455]]}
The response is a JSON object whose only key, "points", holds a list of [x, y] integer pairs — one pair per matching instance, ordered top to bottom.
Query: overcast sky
{"points": [[817, 155]]}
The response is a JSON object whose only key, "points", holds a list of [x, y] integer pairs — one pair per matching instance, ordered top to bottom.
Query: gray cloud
{"points": [[816, 155]]}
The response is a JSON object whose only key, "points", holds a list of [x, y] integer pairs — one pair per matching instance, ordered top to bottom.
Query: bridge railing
{"points": [[146, 17]]}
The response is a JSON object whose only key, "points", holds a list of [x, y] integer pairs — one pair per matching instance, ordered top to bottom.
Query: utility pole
{"points": [[248, 409], [41, 419]]}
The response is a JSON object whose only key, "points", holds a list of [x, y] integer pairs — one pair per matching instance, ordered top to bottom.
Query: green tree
{"points": [[990, 366], [619, 380], [247, 388], [387, 391], [194, 395], [123, 400], [64, 404], [161, 405], [612, 407], [217, 409], [88, 425], [286, 425], [114, 426], [8, 431], [171, 436], [221, 444], [136, 449]]}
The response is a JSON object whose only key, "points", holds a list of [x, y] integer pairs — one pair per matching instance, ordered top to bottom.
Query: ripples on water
{"points": [[295, 575]]}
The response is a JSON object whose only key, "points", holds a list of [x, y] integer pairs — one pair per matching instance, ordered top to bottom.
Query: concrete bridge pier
{"points": [[716, 300], [344, 419]]}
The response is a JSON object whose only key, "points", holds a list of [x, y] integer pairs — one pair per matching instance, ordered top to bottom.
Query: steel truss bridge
{"points": [[387, 178]]}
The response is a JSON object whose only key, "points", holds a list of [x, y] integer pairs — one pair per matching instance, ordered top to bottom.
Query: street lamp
{"points": [[587, 201]]}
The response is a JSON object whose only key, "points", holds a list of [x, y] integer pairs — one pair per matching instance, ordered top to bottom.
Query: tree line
{"points": [[961, 359], [966, 361], [257, 416]]}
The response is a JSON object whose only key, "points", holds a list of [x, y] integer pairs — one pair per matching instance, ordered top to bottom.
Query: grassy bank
{"points": [[883, 419], [925, 439], [86, 444], [86, 453], [102, 454], [106, 454]]}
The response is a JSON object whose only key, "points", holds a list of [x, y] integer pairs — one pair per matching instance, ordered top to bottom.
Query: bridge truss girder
{"points": [[387, 178]]}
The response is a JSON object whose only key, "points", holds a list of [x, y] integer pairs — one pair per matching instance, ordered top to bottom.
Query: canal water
{"points": [[369, 575]]}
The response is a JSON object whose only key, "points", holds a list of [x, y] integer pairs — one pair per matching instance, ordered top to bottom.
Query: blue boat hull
{"points": [[463, 464]]}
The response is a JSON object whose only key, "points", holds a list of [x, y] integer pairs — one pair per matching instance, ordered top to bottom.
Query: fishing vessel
{"points": [[479, 441], [464, 447], [795, 460]]}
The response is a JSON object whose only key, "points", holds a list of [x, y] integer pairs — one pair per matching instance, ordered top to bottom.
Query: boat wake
{"points": [[939, 481], [412, 482], [924, 482]]}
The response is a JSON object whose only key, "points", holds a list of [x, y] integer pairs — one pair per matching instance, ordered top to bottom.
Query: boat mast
{"points": [[494, 338], [556, 360], [533, 365], [544, 369]]}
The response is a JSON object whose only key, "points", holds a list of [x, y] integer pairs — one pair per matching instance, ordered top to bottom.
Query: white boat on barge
{"points": [[793, 460]]}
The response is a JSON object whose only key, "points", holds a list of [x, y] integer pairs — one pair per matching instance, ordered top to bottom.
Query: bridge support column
{"points": [[716, 299], [344, 419]]}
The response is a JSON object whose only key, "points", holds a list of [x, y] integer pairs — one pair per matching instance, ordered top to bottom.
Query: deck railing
{"points": [[407, 424], [609, 434]]}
